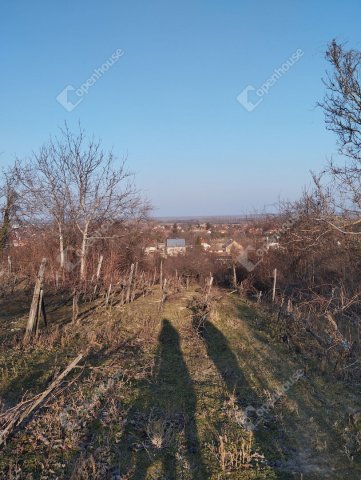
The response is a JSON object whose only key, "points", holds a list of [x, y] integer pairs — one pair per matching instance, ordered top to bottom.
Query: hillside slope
{"points": [[156, 399]]}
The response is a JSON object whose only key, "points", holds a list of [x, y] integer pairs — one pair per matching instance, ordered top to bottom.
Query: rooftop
{"points": [[176, 242]]}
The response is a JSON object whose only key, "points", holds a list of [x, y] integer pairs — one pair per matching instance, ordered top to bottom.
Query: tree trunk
{"points": [[5, 229], [61, 248], [83, 253]]}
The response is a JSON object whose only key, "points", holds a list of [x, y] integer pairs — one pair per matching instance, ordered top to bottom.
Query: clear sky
{"points": [[170, 101]]}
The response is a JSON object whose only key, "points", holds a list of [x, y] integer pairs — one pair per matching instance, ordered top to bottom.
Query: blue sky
{"points": [[170, 102]]}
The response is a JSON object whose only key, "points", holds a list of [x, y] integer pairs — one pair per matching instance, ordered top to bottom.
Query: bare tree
{"points": [[342, 102], [342, 108], [73, 181], [44, 188], [99, 193], [8, 197]]}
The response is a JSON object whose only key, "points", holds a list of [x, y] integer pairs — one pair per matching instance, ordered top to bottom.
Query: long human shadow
{"points": [[261, 333], [226, 362], [173, 399]]}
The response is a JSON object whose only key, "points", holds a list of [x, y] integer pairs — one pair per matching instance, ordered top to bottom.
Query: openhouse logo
{"points": [[258, 94], [70, 97]]}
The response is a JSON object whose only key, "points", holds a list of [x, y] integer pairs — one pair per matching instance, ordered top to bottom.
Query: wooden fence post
{"points": [[99, 267], [161, 275], [234, 277], [135, 282], [210, 283], [274, 285], [108, 295], [164, 295], [122, 296], [37, 299], [127, 299], [75, 306], [289, 306], [41, 313]]}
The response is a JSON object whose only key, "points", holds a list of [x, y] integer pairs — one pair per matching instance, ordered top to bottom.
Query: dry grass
{"points": [[154, 395], [234, 454]]}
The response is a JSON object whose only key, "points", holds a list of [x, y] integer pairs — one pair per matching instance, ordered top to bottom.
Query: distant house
{"points": [[175, 246], [206, 246], [216, 246], [231, 246], [150, 250]]}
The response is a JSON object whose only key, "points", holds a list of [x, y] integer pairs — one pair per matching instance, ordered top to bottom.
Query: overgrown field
{"points": [[156, 398]]}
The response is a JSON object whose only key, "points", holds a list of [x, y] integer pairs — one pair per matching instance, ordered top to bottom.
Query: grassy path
{"points": [[207, 380], [157, 400]]}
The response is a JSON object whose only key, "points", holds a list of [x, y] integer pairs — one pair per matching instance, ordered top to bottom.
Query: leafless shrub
{"points": [[200, 308], [159, 431]]}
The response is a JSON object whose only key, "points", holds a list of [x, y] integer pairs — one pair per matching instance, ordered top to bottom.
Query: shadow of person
{"points": [[226, 362], [227, 365], [170, 404]]}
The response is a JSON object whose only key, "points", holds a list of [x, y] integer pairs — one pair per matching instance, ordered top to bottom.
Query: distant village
{"points": [[223, 239]]}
